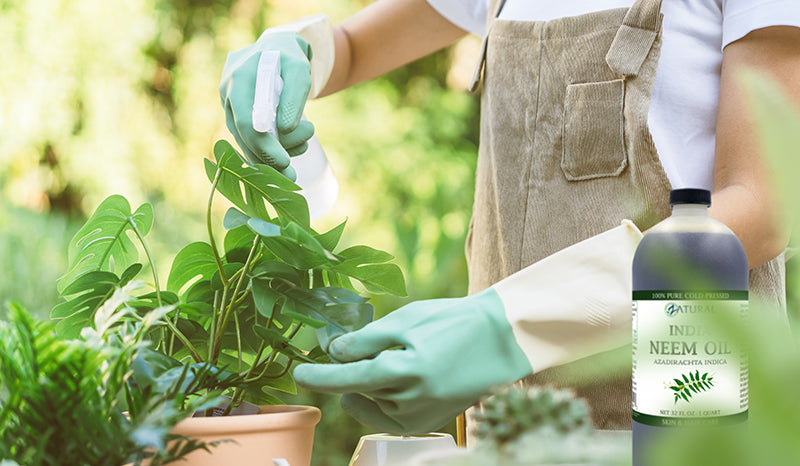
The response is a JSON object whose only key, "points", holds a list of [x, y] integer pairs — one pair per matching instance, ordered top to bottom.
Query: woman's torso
{"points": [[682, 116]]}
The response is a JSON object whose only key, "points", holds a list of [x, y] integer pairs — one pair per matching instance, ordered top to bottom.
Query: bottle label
{"points": [[684, 372]]}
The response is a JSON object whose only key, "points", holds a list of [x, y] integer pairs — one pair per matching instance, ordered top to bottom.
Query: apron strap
{"points": [[635, 37], [478, 73]]}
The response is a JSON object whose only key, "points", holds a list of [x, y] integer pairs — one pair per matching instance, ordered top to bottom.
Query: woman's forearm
{"points": [[386, 35], [745, 196], [754, 221]]}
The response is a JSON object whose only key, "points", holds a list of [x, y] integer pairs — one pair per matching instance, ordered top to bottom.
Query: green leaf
{"points": [[249, 187], [234, 218], [262, 228], [239, 238], [330, 239], [103, 243], [298, 248], [365, 255], [194, 260], [366, 265], [230, 269], [273, 269], [128, 274], [376, 278], [338, 280], [200, 292], [86, 294], [335, 295], [264, 297], [150, 300], [343, 310], [341, 318], [313, 323], [69, 328], [272, 337], [293, 353], [319, 355], [149, 365], [278, 378], [262, 396]]}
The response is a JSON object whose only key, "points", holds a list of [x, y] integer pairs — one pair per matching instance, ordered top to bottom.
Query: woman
{"points": [[591, 112]]}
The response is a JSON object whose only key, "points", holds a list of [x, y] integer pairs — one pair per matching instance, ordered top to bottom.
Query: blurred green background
{"points": [[101, 97]]}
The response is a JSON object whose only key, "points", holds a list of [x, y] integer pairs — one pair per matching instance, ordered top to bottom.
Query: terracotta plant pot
{"points": [[276, 432]]}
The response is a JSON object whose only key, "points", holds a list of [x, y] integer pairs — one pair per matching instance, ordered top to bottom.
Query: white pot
{"points": [[396, 450]]}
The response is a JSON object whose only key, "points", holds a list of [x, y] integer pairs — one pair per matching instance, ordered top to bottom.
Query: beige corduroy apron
{"points": [[566, 154]]}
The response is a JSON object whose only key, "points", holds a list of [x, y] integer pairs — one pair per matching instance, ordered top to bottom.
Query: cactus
{"points": [[509, 413]]}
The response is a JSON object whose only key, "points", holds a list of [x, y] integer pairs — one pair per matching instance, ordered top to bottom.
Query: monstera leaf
{"points": [[249, 187], [103, 242]]}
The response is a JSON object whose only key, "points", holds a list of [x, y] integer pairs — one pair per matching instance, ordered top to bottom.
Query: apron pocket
{"points": [[594, 142]]}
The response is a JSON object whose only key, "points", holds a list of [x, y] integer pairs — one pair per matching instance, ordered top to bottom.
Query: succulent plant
{"points": [[509, 413], [537, 426]]}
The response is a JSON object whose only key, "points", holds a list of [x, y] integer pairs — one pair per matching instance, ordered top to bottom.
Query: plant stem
{"points": [[211, 241], [149, 260], [227, 311], [213, 324], [294, 332], [172, 337], [238, 339], [184, 340], [268, 363], [285, 369], [239, 391]]}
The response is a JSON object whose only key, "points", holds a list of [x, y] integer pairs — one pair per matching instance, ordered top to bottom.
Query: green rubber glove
{"points": [[237, 91], [419, 367]]}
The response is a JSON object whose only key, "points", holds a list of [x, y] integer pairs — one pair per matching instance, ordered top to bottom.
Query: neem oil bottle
{"points": [[687, 270]]}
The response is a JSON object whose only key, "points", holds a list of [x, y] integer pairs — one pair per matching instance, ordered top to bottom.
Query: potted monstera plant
{"points": [[235, 304]]}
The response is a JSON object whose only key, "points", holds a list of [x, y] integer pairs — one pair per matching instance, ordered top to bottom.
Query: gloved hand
{"points": [[237, 91], [570, 305], [430, 360]]}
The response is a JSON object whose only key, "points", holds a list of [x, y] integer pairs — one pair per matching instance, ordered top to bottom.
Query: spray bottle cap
{"points": [[689, 196]]}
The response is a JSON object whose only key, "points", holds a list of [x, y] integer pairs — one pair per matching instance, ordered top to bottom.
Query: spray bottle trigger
{"points": [[267, 92]]}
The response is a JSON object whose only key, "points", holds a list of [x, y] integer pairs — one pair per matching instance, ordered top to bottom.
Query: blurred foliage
{"points": [[121, 97], [33, 252]]}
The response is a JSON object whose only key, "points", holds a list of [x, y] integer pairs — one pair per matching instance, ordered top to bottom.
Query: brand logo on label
{"points": [[673, 309]]}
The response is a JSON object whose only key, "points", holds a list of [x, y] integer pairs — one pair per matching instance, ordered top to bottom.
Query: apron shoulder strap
{"points": [[495, 6], [635, 37]]}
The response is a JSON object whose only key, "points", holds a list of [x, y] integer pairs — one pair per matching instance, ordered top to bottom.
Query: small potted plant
{"points": [[234, 305], [60, 399], [543, 426]]}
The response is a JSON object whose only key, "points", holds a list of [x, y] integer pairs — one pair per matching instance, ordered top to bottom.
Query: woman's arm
{"points": [[384, 36], [744, 197]]}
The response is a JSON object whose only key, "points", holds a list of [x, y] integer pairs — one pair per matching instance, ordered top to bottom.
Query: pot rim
{"points": [[269, 418]]}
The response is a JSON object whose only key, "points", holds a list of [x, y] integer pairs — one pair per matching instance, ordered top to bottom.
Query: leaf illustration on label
{"points": [[690, 383]]}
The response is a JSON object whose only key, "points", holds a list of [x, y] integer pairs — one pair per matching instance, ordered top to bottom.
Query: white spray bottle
{"points": [[314, 173]]}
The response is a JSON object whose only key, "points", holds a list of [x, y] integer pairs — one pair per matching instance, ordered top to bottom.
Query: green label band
{"points": [[713, 295], [660, 421]]}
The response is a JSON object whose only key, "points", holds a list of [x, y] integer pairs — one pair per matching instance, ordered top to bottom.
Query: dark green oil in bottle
{"points": [[687, 270]]}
